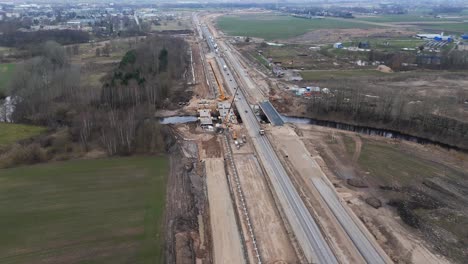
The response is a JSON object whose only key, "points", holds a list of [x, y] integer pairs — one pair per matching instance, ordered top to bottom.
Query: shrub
{"points": [[20, 155]]}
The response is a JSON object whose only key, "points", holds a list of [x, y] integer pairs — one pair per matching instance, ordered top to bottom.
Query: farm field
{"points": [[404, 18], [172, 25], [270, 27], [457, 28], [6, 71], [10, 133], [84, 211]]}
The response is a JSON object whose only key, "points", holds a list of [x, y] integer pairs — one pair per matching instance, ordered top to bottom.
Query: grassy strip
{"points": [[403, 18], [449, 28], [261, 59], [6, 72], [10, 133], [350, 145], [393, 165], [86, 211]]}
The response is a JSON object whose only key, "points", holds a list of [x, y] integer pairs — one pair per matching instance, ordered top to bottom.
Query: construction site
{"points": [[234, 132], [268, 191]]}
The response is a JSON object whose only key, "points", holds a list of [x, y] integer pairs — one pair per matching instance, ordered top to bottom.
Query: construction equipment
{"points": [[221, 96], [234, 134]]}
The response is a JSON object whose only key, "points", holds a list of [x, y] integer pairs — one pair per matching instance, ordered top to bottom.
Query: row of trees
{"points": [[393, 110]]}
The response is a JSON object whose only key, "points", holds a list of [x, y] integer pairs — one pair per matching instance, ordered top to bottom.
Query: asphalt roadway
{"points": [[304, 226], [306, 230], [308, 234]]}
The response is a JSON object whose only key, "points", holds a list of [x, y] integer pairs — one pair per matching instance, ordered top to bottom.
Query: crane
{"points": [[221, 96]]}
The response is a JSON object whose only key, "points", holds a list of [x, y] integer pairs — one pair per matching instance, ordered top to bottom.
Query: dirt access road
{"points": [[226, 238], [350, 238], [402, 244]]}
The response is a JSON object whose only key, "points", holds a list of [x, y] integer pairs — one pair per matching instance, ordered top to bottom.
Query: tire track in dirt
{"points": [[357, 147]]}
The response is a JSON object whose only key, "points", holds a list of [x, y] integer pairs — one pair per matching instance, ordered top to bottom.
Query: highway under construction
{"points": [[306, 234]]}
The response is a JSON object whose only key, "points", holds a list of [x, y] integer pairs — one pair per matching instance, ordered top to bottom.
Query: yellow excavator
{"points": [[221, 96]]}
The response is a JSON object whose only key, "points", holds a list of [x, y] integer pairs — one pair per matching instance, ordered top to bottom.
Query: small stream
{"points": [[177, 119], [331, 124]]}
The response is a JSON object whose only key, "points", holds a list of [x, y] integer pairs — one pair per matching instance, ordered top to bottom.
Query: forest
{"points": [[118, 117]]}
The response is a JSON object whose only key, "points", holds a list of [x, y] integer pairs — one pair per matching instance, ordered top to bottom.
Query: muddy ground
{"points": [[411, 197], [186, 206]]}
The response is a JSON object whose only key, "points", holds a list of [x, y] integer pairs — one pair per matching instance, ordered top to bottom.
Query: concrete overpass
{"points": [[271, 113]]}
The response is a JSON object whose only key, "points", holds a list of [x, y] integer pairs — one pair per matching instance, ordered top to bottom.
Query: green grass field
{"points": [[404, 18], [269, 27], [449, 28], [395, 43], [262, 60], [6, 71], [325, 74], [10, 133], [393, 165], [85, 211]]}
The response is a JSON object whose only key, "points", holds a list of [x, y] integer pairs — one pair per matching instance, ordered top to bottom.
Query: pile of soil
{"points": [[385, 69]]}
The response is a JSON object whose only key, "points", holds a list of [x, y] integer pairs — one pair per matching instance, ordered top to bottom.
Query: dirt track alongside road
{"points": [[226, 238], [273, 240]]}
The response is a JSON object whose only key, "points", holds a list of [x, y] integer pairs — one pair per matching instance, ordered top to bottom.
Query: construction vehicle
{"points": [[221, 96], [234, 134]]}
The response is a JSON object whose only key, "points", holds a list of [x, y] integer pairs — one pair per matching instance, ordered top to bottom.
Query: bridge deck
{"points": [[271, 113]]}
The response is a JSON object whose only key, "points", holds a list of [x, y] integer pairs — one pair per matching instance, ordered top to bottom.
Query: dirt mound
{"points": [[385, 69], [358, 183], [374, 202]]}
